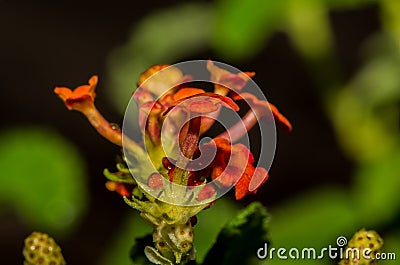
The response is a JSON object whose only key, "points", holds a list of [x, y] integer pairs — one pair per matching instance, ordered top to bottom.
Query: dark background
{"points": [[49, 43]]}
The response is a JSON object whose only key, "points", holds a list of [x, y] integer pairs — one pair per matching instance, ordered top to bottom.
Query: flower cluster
{"points": [[172, 117]]}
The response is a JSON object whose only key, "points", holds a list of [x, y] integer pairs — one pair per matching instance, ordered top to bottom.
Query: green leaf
{"points": [[119, 176], [42, 178], [210, 222], [239, 239], [155, 257]]}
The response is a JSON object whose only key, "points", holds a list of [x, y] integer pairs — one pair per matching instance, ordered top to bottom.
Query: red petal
{"points": [[224, 78], [212, 101], [261, 105], [202, 107], [282, 120], [259, 177], [250, 182], [242, 187], [120, 188]]}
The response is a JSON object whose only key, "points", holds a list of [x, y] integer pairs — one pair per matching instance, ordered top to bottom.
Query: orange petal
{"points": [[159, 79], [226, 80], [186, 92], [63, 93], [81, 94], [211, 103], [255, 104], [283, 121], [222, 144], [260, 176], [250, 182], [242, 187], [120, 188]]}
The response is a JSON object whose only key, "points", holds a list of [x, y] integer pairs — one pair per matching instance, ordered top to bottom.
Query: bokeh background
{"points": [[332, 67]]}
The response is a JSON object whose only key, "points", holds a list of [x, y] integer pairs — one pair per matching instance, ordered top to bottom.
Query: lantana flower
{"points": [[82, 100], [172, 117]]}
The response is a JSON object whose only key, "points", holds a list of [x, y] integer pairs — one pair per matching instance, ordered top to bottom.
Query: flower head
{"points": [[180, 113], [233, 164]]}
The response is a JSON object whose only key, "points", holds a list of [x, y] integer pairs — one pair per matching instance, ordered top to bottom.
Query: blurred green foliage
{"points": [[242, 27], [162, 37], [365, 110], [42, 178]]}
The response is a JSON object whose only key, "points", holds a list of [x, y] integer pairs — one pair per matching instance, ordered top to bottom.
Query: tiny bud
{"points": [[155, 181]]}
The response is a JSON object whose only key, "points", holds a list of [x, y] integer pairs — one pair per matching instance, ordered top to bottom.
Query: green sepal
{"points": [[122, 167], [119, 176], [137, 193], [156, 212], [248, 226], [155, 257]]}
